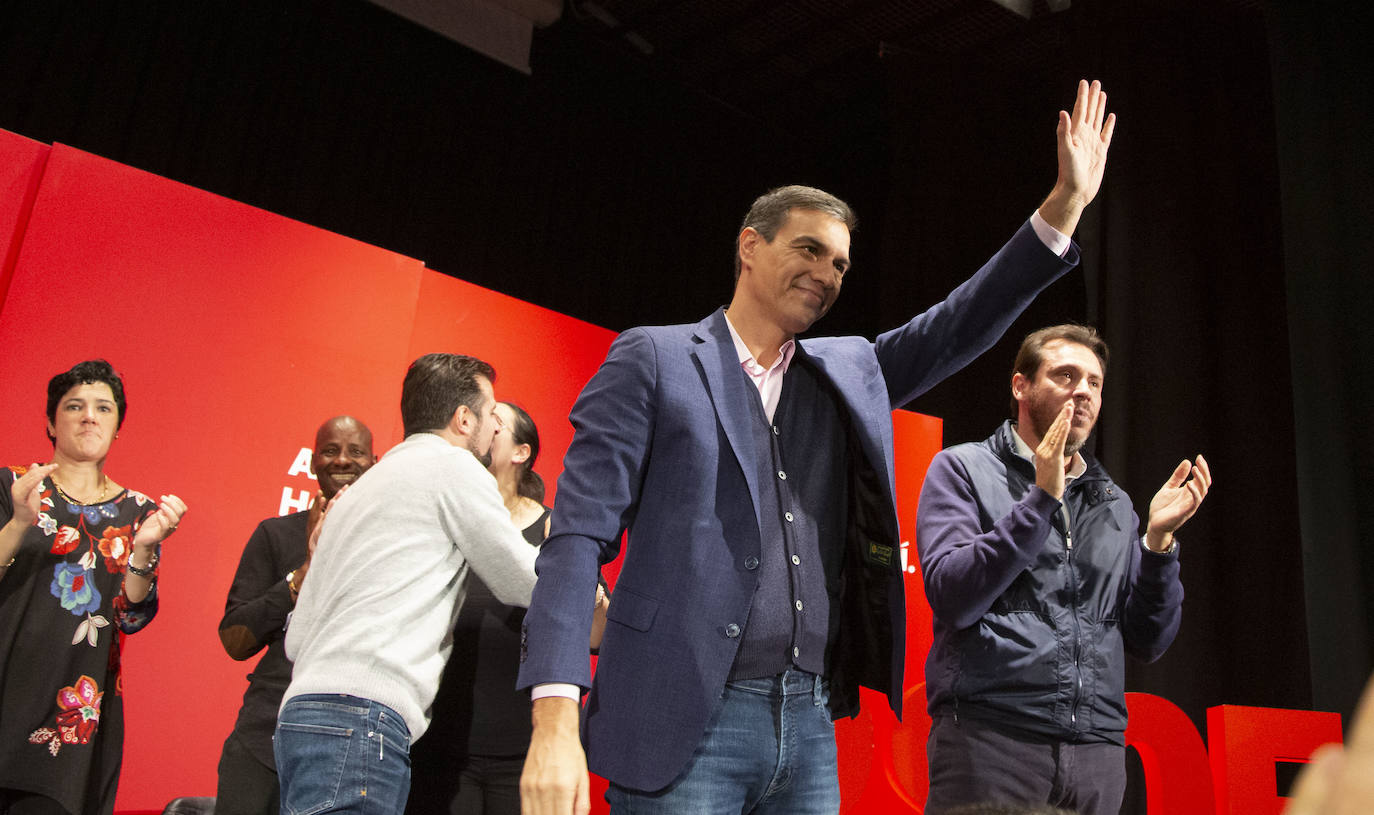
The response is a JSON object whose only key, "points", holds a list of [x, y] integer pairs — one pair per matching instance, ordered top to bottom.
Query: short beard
{"points": [[482, 458]]}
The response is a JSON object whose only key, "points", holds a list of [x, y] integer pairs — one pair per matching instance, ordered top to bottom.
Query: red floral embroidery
{"points": [[66, 540], [115, 544], [78, 718]]}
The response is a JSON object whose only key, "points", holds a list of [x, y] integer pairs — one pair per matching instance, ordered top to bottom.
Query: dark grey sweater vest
{"points": [[801, 458]]}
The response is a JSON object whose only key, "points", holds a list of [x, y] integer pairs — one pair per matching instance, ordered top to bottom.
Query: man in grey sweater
{"points": [[370, 633]]}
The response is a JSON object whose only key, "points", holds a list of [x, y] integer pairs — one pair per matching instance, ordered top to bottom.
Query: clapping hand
{"points": [[1176, 502], [160, 524]]}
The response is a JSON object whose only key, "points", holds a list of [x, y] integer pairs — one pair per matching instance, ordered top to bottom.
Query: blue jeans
{"points": [[770, 749], [338, 753], [971, 762]]}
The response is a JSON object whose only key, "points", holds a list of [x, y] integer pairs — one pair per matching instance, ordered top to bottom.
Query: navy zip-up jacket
{"points": [[1033, 620]]}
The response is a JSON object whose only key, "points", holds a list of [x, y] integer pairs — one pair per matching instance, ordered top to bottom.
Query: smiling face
{"points": [[795, 278], [1068, 371], [85, 422], [343, 452]]}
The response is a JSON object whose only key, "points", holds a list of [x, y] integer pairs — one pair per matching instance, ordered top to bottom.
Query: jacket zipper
{"points": [[1077, 629]]}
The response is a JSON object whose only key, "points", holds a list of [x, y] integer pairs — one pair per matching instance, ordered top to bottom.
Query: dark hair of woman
{"points": [[86, 373], [523, 431]]}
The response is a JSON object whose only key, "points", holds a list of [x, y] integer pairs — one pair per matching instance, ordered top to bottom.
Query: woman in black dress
{"points": [[78, 571]]}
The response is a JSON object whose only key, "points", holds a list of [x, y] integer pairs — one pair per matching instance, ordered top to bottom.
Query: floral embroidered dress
{"points": [[63, 615]]}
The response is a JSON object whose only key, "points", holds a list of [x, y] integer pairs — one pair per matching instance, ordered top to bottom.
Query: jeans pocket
{"points": [[312, 759]]}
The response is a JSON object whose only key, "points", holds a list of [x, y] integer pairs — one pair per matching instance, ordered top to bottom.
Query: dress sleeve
{"points": [[7, 477], [132, 617]]}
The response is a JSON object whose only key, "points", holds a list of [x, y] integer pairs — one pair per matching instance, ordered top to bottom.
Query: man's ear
{"points": [[747, 244], [1019, 385], [462, 420]]}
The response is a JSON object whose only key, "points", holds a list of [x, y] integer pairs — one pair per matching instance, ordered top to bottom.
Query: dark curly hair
{"points": [[85, 373]]}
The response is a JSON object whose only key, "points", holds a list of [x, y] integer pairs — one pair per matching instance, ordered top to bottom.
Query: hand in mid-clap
{"points": [[1049, 454], [25, 493], [1176, 502], [161, 523]]}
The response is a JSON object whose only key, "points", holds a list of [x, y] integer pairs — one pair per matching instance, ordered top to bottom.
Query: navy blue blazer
{"points": [[659, 449]]}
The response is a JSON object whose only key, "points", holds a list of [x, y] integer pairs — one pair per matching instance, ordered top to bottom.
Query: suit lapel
{"points": [[729, 391]]}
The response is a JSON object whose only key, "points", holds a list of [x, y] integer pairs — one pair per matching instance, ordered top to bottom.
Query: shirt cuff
{"points": [[1056, 241], [563, 689]]}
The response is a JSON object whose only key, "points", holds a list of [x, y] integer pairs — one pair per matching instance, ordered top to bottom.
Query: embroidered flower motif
{"points": [[93, 512], [47, 523], [67, 539], [114, 544], [73, 587], [130, 617], [89, 630], [78, 718]]}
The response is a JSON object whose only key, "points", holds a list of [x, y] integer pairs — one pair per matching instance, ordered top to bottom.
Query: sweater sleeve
{"points": [[479, 524], [965, 567], [259, 600], [1154, 607]]}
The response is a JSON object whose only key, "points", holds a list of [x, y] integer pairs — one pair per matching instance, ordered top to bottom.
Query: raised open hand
{"points": [[1083, 138], [1176, 502]]}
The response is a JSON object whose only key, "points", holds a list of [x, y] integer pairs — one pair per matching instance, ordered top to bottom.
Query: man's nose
{"points": [[823, 272]]}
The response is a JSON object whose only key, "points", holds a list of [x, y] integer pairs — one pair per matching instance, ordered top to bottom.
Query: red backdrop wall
{"points": [[238, 332]]}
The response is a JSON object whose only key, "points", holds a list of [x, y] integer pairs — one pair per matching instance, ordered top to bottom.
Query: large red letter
{"points": [[1247, 741], [1177, 781]]}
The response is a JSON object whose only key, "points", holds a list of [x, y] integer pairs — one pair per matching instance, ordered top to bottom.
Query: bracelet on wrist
{"points": [[146, 571]]}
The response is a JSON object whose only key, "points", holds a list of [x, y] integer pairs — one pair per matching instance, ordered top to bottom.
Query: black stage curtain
{"points": [[1226, 260]]}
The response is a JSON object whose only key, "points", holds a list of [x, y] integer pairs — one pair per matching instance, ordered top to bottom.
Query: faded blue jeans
{"points": [[770, 749], [338, 753]]}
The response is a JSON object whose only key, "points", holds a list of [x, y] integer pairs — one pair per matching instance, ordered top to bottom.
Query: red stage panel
{"points": [[21, 170], [237, 332]]}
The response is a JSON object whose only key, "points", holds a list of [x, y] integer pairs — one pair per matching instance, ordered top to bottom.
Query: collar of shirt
{"points": [[768, 380], [1076, 468]]}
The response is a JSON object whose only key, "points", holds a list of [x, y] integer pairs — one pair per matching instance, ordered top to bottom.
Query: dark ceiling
{"points": [[806, 51], [817, 52]]}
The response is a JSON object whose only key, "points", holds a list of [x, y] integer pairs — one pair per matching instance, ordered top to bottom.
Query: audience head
{"points": [[770, 211], [106, 386], [451, 395], [515, 450], [343, 452]]}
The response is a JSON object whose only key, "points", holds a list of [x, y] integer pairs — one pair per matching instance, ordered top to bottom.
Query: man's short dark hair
{"points": [[769, 211], [1032, 351], [86, 373], [434, 387]]}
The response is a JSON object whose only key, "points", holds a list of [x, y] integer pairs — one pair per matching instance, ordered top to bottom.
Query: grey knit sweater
{"points": [[388, 576]]}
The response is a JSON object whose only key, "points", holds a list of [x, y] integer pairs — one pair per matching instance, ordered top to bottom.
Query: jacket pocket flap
{"points": [[632, 609]]}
